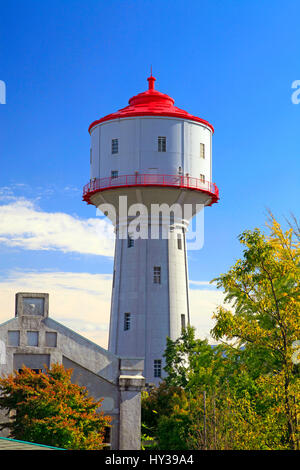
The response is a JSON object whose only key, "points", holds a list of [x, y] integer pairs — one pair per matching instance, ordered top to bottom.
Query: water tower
{"points": [[150, 153]]}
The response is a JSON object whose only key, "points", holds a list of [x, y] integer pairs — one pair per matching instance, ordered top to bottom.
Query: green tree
{"points": [[263, 289], [219, 390], [244, 392], [49, 409], [165, 416]]}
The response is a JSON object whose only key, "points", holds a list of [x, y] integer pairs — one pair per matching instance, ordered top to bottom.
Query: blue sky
{"points": [[67, 63]]}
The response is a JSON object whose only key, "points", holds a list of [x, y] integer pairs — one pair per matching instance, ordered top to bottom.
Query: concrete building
{"points": [[147, 154], [35, 340]]}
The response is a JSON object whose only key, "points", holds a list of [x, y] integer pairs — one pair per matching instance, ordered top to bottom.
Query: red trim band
{"points": [[177, 115]]}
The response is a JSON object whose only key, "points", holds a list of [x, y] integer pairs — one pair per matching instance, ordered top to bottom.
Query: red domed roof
{"points": [[151, 103]]}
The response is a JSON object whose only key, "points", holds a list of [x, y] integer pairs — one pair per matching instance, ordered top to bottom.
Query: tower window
{"points": [[162, 144], [115, 146], [202, 150], [114, 174], [202, 178], [130, 242], [179, 243], [157, 275], [127, 320], [183, 326], [157, 367]]}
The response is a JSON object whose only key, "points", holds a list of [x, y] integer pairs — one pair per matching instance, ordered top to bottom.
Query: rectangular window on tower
{"points": [[162, 144], [115, 146], [202, 150], [114, 174], [202, 178], [130, 242], [179, 242], [156, 275], [127, 321], [182, 323], [157, 367]]}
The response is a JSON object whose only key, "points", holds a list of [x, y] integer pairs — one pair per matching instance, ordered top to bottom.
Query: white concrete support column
{"points": [[178, 283], [150, 296], [131, 383]]}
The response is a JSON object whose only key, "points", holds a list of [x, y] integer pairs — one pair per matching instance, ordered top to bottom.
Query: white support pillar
{"points": [[150, 296], [131, 383]]}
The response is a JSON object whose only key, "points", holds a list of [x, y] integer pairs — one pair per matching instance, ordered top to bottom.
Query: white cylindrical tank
{"points": [[137, 140], [150, 153]]}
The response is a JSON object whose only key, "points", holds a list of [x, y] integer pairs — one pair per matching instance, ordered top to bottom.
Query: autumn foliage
{"points": [[243, 393], [46, 408]]}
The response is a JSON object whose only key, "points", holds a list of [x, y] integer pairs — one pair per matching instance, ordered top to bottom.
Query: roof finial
{"points": [[151, 81]]}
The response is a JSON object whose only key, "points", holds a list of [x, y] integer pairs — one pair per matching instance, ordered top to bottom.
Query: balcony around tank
{"points": [[138, 179]]}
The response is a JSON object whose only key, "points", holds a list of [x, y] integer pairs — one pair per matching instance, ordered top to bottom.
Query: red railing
{"points": [[188, 182]]}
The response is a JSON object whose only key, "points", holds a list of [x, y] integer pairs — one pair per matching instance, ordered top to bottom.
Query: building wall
{"points": [[100, 389]]}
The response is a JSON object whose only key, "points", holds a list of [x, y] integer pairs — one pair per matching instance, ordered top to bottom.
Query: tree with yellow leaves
{"points": [[263, 289], [244, 392]]}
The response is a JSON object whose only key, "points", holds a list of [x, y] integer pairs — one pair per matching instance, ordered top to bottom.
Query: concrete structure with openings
{"points": [[150, 153], [35, 340]]}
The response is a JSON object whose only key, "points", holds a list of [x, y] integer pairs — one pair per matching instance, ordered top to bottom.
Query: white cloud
{"points": [[6, 194], [24, 225], [201, 283], [80, 301], [203, 303]]}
